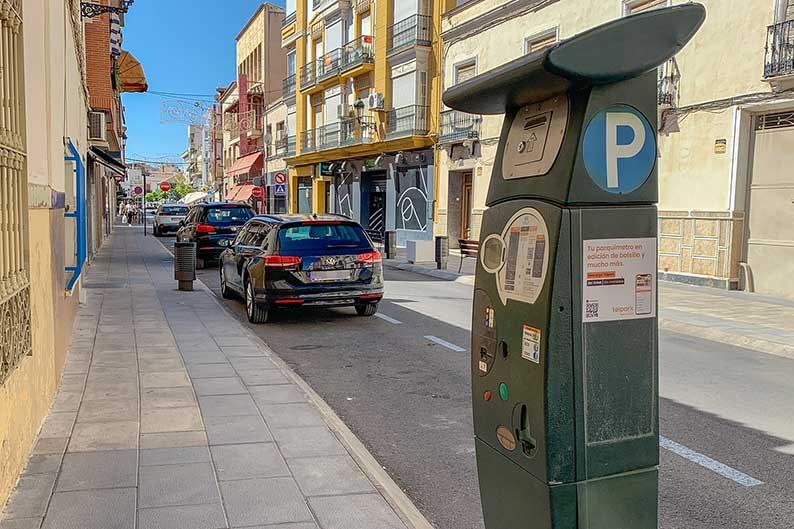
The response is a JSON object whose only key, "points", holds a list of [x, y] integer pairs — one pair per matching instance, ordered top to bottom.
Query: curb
{"points": [[445, 275], [697, 331], [402, 505]]}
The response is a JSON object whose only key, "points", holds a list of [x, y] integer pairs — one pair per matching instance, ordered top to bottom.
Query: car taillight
{"points": [[205, 228], [369, 257], [282, 261]]}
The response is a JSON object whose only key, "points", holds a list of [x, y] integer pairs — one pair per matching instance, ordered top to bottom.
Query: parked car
{"points": [[167, 218], [213, 226], [280, 261]]}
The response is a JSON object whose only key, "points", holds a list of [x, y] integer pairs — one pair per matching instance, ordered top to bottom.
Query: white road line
{"points": [[387, 318], [446, 344], [705, 461]]}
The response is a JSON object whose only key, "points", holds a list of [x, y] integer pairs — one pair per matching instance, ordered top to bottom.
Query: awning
{"points": [[130, 74], [106, 160], [246, 164], [240, 193], [195, 196]]}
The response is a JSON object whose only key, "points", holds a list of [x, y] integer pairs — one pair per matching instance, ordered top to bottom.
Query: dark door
{"points": [[377, 211]]}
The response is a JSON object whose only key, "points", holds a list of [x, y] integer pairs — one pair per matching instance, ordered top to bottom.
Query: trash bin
{"points": [[442, 252], [185, 264]]}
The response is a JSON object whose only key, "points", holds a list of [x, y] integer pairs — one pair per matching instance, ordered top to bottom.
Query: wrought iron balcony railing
{"points": [[289, 19], [416, 30], [779, 49], [358, 51], [329, 65], [309, 74], [668, 83], [288, 87], [407, 121], [458, 126], [346, 131], [356, 131], [308, 141], [289, 146]]}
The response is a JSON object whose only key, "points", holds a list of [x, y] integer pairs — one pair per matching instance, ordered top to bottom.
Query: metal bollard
{"points": [[390, 244], [442, 252], [185, 264]]}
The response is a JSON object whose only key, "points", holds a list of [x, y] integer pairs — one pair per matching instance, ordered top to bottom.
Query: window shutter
{"points": [[632, 8], [541, 43], [465, 72]]}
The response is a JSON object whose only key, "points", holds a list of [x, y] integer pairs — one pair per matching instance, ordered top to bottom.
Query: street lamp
{"points": [[91, 10]]}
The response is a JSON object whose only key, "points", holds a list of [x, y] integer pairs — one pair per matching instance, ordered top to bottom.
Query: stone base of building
{"points": [[699, 281]]}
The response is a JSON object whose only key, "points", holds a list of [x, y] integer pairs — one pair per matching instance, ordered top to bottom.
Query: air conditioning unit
{"points": [[376, 101], [97, 126]]}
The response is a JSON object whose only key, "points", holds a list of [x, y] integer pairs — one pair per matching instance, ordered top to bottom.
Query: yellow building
{"points": [[363, 90], [727, 131]]}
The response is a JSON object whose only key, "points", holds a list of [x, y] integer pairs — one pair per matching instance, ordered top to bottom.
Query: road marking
{"points": [[387, 318], [446, 344], [705, 461]]}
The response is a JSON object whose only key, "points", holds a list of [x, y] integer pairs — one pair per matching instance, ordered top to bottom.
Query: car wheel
{"points": [[226, 292], [367, 310], [255, 311]]}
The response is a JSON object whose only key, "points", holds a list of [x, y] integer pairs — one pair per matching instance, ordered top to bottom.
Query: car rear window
{"points": [[173, 210], [229, 215], [321, 237]]}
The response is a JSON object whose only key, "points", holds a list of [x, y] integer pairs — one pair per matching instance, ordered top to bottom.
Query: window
{"points": [[632, 7], [785, 10], [366, 23], [540, 41], [291, 63], [465, 71], [280, 130], [229, 214], [322, 238]]}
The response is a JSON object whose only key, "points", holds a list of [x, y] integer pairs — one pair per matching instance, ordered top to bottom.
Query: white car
{"points": [[168, 218]]}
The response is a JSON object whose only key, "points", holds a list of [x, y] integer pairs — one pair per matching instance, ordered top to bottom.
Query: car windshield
{"points": [[173, 210], [229, 215], [322, 237]]}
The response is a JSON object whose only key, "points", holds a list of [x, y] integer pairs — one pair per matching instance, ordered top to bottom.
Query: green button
{"points": [[503, 391]]}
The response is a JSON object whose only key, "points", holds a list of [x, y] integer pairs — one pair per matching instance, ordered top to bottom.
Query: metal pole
{"points": [[143, 200]]}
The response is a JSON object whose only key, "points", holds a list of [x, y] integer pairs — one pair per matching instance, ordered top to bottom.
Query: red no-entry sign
{"points": [[165, 186], [256, 192]]}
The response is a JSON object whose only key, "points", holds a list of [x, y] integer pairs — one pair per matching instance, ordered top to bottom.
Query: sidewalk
{"points": [[743, 319], [171, 415]]}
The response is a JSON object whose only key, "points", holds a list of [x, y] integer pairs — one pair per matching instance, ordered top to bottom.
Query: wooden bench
{"points": [[468, 248]]}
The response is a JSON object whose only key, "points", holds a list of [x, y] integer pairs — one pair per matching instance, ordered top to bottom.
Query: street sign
{"points": [[619, 149], [280, 178], [165, 186], [137, 190], [280, 190], [256, 192]]}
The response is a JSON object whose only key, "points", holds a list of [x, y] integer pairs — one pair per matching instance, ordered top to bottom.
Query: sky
{"points": [[185, 47]]}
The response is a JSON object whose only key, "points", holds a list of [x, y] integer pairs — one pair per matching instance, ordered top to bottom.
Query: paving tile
{"points": [[230, 339], [244, 351], [209, 357], [252, 363], [157, 364], [210, 370], [262, 377], [166, 379], [218, 386], [121, 390], [288, 394], [168, 398], [67, 401], [227, 405], [105, 410], [291, 415], [170, 420], [58, 425], [237, 429], [104, 436], [173, 439], [307, 442], [50, 445], [173, 456], [243, 461], [43, 463], [98, 470], [328, 475], [188, 484], [29, 499], [264, 501], [92, 509], [358, 511], [208, 516], [21, 523], [300, 525]]}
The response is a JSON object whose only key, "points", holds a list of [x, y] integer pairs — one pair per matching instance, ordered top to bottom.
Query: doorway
{"points": [[459, 202], [377, 211], [465, 221]]}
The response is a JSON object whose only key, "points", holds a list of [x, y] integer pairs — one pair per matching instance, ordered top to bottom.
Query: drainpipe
{"points": [[78, 214]]}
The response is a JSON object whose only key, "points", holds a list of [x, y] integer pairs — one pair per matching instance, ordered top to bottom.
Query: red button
{"points": [[487, 395]]}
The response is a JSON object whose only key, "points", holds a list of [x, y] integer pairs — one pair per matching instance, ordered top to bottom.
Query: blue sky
{"points": [[184, 46]]}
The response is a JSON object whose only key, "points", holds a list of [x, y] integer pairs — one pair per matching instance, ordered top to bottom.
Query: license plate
{"points": [[223, 242], [330, 275]]}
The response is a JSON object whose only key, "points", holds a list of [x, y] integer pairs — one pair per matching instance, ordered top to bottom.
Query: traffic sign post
{"points": [[165, 187], [280, 190], [564, 327]]}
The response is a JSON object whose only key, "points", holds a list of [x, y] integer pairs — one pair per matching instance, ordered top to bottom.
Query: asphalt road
{"points": [[398, 383]]}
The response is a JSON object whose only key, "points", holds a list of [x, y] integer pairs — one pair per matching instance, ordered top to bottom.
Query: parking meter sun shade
{"points": [[564, 326]]}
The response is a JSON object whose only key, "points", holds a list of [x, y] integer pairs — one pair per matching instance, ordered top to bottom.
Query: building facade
{"points": [[363, 90], [726, 129]]}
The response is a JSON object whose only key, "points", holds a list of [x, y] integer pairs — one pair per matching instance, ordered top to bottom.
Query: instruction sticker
{"points": [[619, 279], [530, 344]]}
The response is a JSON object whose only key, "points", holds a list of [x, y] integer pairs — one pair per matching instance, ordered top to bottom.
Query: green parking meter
{"points": [[564, 328]]}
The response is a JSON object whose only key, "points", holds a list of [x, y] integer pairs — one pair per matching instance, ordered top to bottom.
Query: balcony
{"points": [[289, 19], [415, 30], [779, 50], [358, 51], [329, 65], [309, 74], [669, 79], [288, 88], [407, 121], [458, 126], [343, 133], [308, 141], [286, 146]]}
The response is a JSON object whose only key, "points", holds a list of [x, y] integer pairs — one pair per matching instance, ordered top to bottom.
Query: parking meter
{"points": [[564, 327]]}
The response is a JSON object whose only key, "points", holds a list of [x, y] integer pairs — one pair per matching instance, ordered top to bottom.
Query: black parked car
{"points": [[213, 226], [280, 261]]}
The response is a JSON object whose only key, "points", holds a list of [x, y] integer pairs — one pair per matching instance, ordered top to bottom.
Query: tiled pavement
{"points": [[170, 416]]}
